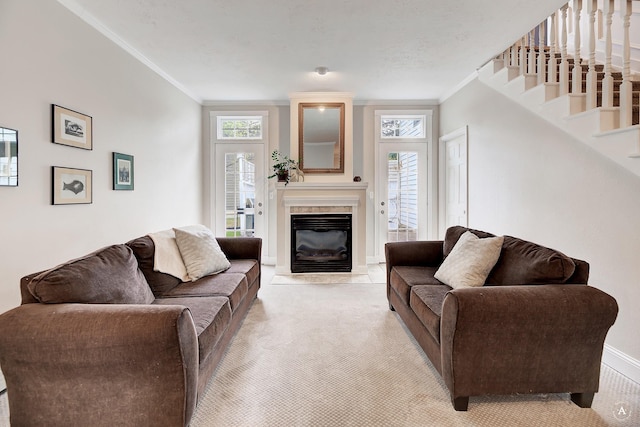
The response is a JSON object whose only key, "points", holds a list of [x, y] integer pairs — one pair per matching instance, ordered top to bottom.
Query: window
{"points": [[403, 126], [239, 127]]}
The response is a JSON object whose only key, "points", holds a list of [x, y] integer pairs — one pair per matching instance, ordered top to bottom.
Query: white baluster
{"points": [[542, 51], [523, 56], [531, 63], [564, 64], [552, 65], [513, 69], [592, 77], [576, 78], [607, 82], [552, 86], [626, 87], [577, 97]]}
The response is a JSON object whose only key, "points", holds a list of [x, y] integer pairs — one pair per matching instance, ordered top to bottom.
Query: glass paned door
{"points": [[239, 196], [402, 199]]}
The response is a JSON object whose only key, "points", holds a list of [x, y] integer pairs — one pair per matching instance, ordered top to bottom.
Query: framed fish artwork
{"points": [[71, 128], [71, 186]]}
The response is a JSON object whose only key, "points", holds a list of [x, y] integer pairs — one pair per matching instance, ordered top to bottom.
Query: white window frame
{"points": [[424, 116], [220, 119]]}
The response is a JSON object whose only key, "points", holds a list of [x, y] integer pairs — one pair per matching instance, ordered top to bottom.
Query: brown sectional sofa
{"points": [[534, 327], [106, 340]]}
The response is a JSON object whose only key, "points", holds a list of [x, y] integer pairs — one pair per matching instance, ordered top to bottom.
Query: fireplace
{"points": [[321, 243]]}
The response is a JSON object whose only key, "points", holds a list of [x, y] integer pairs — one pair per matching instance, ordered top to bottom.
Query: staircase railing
{"points": [[543, 56]]}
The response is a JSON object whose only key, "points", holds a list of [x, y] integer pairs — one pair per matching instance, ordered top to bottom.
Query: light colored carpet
{"points": [[334, 355]]}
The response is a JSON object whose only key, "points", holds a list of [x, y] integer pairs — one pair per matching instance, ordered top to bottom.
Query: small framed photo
{"points": [[71, 128], [122, 171], [71, 186]]}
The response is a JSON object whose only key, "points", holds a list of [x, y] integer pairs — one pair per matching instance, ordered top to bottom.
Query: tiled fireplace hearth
{"points": [[317, 199]]}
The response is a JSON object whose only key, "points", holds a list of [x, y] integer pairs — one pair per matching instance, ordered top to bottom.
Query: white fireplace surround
{"points": [[315, 198]]}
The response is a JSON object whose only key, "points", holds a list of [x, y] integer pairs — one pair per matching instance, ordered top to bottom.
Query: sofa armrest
{"points": [[241, 247], [416, 253], [524, 339], [101, 364]]}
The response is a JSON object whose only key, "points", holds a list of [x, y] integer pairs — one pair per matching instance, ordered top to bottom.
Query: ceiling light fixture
{"points": [[322, 70]]}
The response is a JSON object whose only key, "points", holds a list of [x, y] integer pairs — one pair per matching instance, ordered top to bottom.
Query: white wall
{"points": [[50, 56], [531, 180]]}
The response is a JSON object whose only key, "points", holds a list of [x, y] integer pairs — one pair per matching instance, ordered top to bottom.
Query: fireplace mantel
{"points": [[339, 186], [314, 198]]}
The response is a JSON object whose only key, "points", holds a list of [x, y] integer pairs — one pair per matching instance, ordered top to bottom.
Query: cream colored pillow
{"points": [[200, 251], [470, 261]]}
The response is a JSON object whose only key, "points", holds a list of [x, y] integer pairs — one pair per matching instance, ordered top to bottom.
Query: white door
{"points": [[454, 148], [239, 190], [401, 204]]}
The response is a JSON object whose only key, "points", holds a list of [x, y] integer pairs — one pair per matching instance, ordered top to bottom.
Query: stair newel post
{"points": [[542, 51], [564, 64], [592, 78], [607, 82], [626, 118]]}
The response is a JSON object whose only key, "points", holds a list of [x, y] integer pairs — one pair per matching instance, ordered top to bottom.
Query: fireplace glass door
{"points": [[321, 243]]}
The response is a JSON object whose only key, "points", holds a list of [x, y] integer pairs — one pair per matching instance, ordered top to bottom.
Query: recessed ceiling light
{"points": [[322, 70]]}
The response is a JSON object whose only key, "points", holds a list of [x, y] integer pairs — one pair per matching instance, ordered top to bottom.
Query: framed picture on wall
{"points": [[71, 128], [8, 157], [122, 171], [71, 186]]}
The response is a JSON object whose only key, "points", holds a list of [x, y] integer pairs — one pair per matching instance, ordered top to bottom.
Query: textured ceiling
{"points": [[237, 50]]}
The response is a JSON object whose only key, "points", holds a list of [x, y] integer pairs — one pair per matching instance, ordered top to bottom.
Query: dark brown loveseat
{"points": [[534, 327], [109, 341]]}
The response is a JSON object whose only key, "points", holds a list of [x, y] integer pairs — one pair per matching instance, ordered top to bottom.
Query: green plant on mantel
{"points": [[282, 165]]}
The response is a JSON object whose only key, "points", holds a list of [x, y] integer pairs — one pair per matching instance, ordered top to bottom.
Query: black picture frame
{"points": [[71, 128], [8, 157], [71, 186]]}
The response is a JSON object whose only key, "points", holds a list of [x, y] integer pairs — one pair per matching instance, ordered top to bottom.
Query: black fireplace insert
{"points": [[321, 243]]}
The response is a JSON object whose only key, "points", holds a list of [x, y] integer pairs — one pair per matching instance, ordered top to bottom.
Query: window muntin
{"points": [[403, 126], [239, 127]]}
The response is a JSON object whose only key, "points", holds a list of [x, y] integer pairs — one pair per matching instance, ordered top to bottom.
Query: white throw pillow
{"points": [[200, 251], [470, 261]]}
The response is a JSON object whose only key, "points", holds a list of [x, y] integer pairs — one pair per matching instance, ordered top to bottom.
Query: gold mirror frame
{"points": [[320, 130]]}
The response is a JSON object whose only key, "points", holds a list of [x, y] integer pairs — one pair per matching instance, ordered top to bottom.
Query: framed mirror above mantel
{"points": [[322, 135]]}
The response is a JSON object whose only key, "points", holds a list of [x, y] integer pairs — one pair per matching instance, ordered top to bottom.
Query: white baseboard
{"points": [[266, 260], [621, 362]]}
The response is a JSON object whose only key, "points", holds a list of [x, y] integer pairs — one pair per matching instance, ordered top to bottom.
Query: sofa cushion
{"points": [[453, 234], [144, 250], [200, 251], [470, 261], [521, 261], [248, 267], [107, 276], [403, 278], [231, 285], [426, 303], [211, 316]]}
